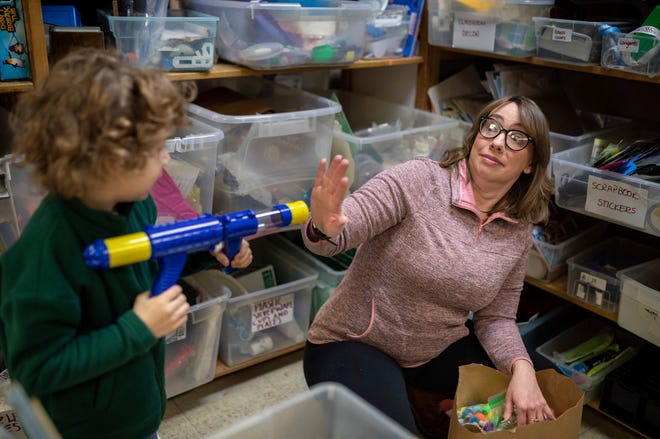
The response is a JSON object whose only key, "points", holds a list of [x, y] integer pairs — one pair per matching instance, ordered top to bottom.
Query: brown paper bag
{"points": [[477, 382]]}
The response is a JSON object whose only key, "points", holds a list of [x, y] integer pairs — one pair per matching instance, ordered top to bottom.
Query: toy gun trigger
{"points": [[232, 247], [171, 267]]}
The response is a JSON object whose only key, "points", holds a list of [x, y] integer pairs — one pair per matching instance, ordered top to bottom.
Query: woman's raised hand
{"points": [[328, 194]]}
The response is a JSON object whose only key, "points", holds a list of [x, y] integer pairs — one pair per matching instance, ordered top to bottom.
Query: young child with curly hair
{"points": [[90, 344]]}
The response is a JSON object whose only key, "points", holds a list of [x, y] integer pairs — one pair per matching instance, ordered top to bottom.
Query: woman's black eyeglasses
{"points": [[515, 140]]}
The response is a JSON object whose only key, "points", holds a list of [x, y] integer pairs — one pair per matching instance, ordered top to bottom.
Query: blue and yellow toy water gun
{"points": [[171, 243]]}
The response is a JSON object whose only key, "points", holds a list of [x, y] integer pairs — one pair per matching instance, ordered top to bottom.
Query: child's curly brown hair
{"points": [[92, 113]]}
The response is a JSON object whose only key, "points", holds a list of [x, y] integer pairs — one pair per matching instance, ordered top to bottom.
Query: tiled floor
{"points": [[207, 409]]}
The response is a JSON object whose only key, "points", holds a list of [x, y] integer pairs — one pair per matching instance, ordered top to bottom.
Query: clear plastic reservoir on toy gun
{"points": [[171, 243]]}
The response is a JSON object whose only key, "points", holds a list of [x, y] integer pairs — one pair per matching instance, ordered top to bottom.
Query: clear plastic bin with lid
{"points": [[501, 26]]}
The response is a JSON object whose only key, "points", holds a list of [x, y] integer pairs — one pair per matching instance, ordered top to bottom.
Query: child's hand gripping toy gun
{"points": [[171, 243]]}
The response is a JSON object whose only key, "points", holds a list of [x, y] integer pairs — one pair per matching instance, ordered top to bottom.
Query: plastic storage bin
{"points": [[502, 26], [387, 33], [268, 35], [182, 41], [570, 41], [631, 52], [608, 127], [385, 134], [193, 153], [267, 159], [22, 195], [628, 200], [549, 261], [330, 270], [592, 273], [639, 308], [273, 318], [580, 333], [191, 352], [631, 393], [326, 411]]}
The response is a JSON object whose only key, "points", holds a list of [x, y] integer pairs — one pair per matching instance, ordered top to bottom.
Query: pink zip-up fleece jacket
{"points": [[424, 261]]}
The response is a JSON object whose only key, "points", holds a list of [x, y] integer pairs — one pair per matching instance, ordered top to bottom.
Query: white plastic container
{"points": [[501, 26], [268, 35], [182, 41], [385, 134], [267, 159], [627, 200], [639, 309], [257, 323], [191, 352], [326, 411]]}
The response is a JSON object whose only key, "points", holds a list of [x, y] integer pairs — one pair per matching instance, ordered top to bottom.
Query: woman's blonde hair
{"points": [[92, 113], [530, 195]]}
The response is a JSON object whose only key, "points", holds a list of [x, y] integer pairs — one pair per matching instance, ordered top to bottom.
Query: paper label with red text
{"points": [[272, 312]]}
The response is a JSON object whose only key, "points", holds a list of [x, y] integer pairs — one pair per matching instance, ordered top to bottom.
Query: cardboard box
{"points": [[476, 383]]}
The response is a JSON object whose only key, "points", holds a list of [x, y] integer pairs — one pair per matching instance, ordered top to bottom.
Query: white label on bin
{"points": [[474, 31], [562, 34], [627, 45], [282, 128], [617, 200], [594, 281], [272, 312], [179, 333]]}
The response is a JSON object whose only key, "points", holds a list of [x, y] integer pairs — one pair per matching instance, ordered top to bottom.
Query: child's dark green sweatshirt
{"points": [[68, 332]]}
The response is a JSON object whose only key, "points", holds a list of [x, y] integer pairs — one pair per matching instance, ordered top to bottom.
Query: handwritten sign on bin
{"points": [[617, 200]]}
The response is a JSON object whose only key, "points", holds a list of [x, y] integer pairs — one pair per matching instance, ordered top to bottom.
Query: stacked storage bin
{"points": [[501, 26], [387, 32], [273, 34], [182, 41], [571, 41], [635, 52], [383, 134], [193, 153], [270, 157], [22, 195], [624, 199], [547, 259], [330, 270], [592, 273], [640, 300], [271, 311], [592, 335], [191, 352], [631, 393]]}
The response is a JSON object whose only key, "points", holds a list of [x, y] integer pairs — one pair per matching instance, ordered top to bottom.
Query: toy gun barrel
{"points": [[170, 243]]}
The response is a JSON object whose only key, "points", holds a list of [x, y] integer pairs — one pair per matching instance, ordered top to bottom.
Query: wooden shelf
{"points": [[591, 69], [226, 70], [15, 86], [557, 287], [222, 369]]}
